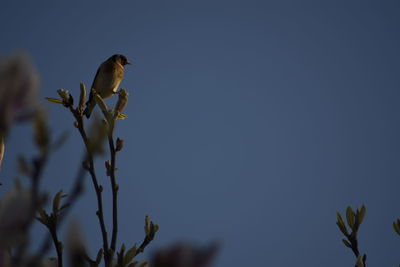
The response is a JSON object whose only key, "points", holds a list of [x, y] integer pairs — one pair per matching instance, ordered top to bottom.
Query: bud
{"points": [[66, 97], [82, 97], [122, 102], [101, 103], [104, 108], [119, 145], [86, 165], [108, 167]]}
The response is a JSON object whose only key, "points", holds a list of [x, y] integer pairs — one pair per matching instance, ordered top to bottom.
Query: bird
{"points": [[107, 80]]}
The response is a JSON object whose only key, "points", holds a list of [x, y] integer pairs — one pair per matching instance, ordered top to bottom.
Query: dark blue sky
{"points": [[250, 122]]}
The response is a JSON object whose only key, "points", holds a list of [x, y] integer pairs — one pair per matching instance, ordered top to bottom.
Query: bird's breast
{"points": [[107, 82]]}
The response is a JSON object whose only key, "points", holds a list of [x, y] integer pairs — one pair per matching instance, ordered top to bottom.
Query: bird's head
{"points": [[121, 59]]}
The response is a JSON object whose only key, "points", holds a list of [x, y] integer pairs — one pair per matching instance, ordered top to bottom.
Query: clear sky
{"points": [[250, 122]]}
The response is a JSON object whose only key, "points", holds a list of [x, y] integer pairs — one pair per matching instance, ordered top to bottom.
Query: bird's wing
{"points": [[91, 94]]}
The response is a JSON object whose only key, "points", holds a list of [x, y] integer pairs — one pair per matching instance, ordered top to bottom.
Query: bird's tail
{"points": [[89, 107]]}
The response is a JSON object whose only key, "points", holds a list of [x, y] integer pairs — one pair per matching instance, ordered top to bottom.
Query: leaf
{"points": [[66, 97], [54, 100], [101, 103], [122, 116], [57, 200], [64, 206], [362, 213], [44, 217], [350, 217], [339, 218], [340, 224], [146, 225], [346, 243], [122, 251], [130, 254], [120, 255], [360, 261]]}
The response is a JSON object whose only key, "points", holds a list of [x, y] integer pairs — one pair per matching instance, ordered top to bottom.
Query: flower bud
{"points": [[82, 97], [122, 102], [120, 144]]}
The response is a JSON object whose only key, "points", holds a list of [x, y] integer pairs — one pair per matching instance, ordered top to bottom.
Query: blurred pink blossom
{"points": [[19, 82], [15, 215]]}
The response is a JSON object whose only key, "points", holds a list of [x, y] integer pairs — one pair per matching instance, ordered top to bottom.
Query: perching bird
{"points": [[107, 79]]}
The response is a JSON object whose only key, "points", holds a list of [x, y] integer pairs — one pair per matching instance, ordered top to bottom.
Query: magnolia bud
{"points": [[122, 102], [120, 144]]}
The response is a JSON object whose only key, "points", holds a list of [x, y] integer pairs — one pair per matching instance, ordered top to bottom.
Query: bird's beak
{"points": [[128, 63]]}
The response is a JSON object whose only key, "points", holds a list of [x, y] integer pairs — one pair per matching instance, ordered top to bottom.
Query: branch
{"points": [[90, 168], [114, 188]]}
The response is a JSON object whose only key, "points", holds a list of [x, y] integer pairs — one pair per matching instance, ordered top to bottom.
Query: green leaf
{"points": [[65, 96], [54, 100], [103, 106], [122, 116], [57, 200], [64, 206], [361, 214], [43, 217], [350, 217], [339, 218], [340, 224], [147, 225], [156, 227], [342, 228], [346, 243], [122, 251], [130, 254], [120, 255], [360, 262]]}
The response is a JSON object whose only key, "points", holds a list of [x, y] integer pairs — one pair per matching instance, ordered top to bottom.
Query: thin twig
{"points": [[39, 162], [114, 188], [98, 190], [75, 193], [58, 246], [142, 246]]}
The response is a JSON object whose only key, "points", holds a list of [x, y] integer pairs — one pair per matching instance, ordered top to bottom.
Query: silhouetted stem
{"points": [[38, 163], [114, 188], [75, 193], [99, 213], [57, 245], [142, 246]]}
